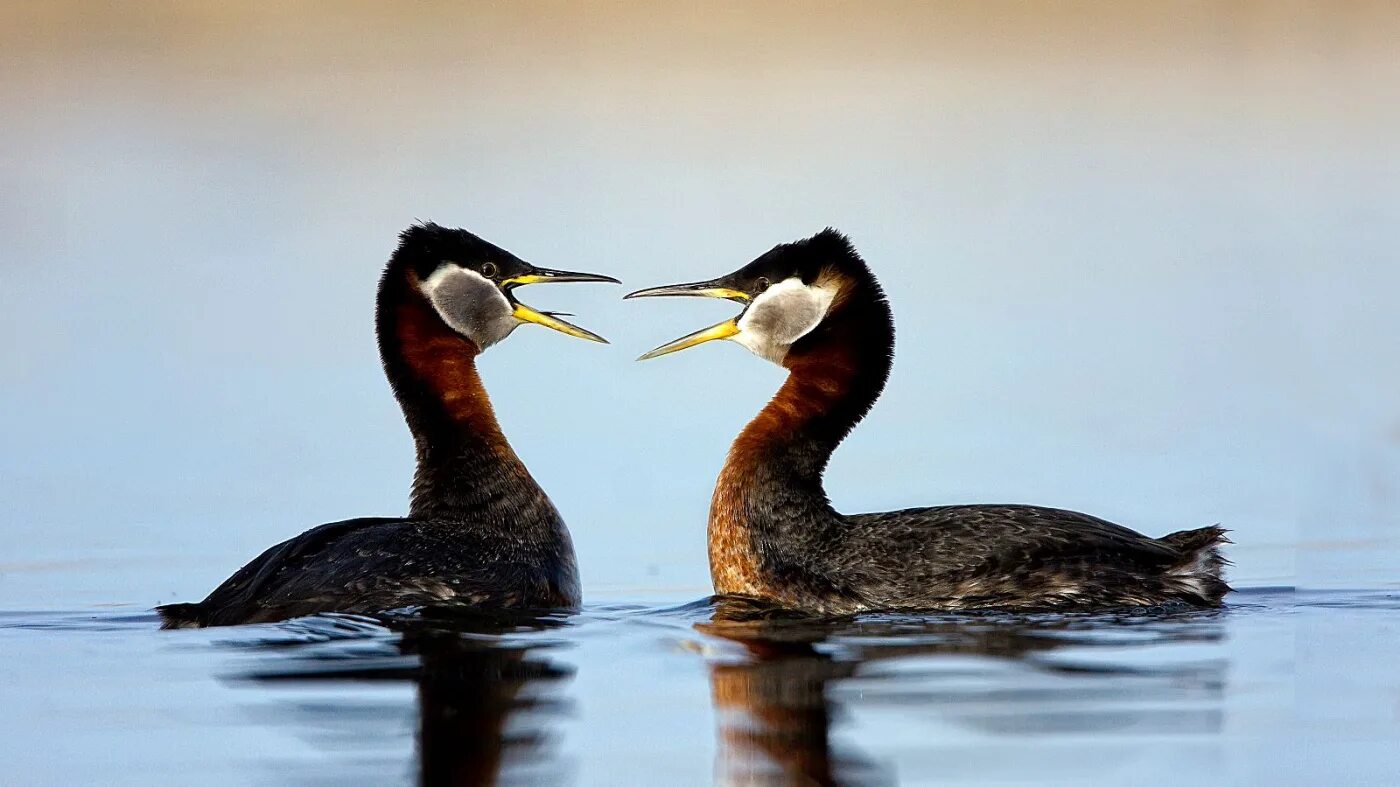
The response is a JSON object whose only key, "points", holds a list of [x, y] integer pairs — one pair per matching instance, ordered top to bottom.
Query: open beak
{"points": [[714, 288], [551, 319]]}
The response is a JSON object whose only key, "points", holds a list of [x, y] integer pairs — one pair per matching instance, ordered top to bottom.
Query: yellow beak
{"points": [[549, 276], [714, 288], [526, 314], [725, 330]]}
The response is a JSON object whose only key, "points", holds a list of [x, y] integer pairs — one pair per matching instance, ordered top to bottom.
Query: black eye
{"points": [[489, 270], [762, 283]]}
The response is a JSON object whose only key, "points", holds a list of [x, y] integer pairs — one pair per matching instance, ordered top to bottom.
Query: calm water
{"points": [[1142, 263], [1283, 686]]}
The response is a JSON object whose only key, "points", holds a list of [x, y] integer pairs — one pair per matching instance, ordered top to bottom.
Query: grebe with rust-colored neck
{"points": [[815, 308], [479, 532]]}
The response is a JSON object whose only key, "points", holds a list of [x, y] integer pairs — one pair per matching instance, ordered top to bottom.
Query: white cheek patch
{"points": [[470, 304], [781, 315]]}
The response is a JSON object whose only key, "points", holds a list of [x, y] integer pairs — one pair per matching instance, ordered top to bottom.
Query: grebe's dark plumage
{"points": [[814, 307], [479, 530]]}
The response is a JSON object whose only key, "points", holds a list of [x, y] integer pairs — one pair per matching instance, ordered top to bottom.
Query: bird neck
{"points": [[466, 469], [770, 491]]}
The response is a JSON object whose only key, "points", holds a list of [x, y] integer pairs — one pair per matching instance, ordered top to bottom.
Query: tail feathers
{"points": [[1202, 567], [182, 616]]}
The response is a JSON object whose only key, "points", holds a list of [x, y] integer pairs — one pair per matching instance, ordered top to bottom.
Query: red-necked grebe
{"points": [[814, 307], [479, 530]]}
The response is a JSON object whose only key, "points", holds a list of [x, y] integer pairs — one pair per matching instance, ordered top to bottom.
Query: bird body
{"points": [[480, 531], [774, 536], [374, 565]]}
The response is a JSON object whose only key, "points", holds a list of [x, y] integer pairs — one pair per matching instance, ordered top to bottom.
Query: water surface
{"points": [[1142, 263], [1282, 686]]}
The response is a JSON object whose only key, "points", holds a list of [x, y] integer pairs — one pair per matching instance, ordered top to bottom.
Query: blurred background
{"points": [[1142, 258]]}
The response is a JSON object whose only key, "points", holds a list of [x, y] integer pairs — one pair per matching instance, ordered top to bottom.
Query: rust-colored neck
{"points": [[464, 460], [769, 498]]}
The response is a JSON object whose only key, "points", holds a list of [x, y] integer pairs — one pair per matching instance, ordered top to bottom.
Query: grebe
{"points": [[814, 307], [479, 530]]}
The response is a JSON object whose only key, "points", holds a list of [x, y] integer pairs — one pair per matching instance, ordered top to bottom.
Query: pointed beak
{"points": [[548, 276], [714, 288], [551, 319], [725, 330]]}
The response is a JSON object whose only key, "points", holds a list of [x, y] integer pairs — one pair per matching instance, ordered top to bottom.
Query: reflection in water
{"points": [[484, 691], [1311, 698], [776, 699], [798, 700], [775, 719]]}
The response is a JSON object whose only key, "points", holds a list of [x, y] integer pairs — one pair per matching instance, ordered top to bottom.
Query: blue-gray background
{"points": [[1142, 257]]}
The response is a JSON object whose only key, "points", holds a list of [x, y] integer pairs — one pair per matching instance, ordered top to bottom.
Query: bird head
{"points": [[471, 284], [788, 294]]}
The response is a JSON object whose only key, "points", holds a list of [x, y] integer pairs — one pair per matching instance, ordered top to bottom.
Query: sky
{"points": [[1142, 259]]}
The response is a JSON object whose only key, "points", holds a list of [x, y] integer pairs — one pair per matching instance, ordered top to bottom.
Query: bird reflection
{"points": [[475, 682], [466, 695], [778, 697], [775, 719]]}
